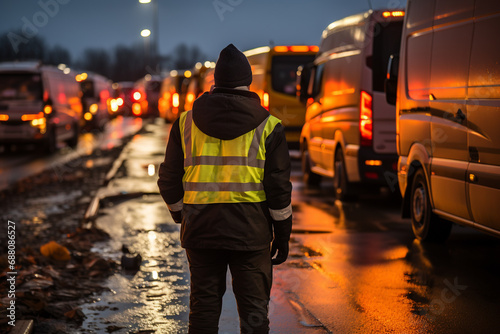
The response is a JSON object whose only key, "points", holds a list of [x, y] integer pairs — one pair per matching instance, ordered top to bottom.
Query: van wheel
{"points": [[74, 139], [51, 142], [309, 177], [344, 190], [425, 224]]}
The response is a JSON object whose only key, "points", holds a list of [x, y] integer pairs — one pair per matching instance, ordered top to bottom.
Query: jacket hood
{"points": [[228, 113]]}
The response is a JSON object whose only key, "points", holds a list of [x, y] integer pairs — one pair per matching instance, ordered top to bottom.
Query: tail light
{"points": [[296, 48], [136, 96], [190, 98], [175, 100], [119, 101], [265, 101], [47, 109], [136, 109], [366, 119]]}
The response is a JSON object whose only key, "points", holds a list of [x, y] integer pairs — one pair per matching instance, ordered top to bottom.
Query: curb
{"points": [[93, 208]]}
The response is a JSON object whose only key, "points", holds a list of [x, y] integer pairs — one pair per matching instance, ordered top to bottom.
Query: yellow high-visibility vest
{"points": [[223, 171]]}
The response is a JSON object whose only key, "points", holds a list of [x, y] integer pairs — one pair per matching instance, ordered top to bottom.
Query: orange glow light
{"points": [[396, 13], [281, 48], [299, 48], [314, 48], [175, 100], [265, 100], [47, 109], [136, 109], [4, 117], [30, 117]]}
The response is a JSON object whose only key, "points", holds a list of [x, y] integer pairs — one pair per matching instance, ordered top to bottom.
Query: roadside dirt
{"points": [[50, 207]]}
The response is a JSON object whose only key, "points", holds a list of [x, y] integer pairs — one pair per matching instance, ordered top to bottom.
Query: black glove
{"points": [[177, 216], [282, 230]]}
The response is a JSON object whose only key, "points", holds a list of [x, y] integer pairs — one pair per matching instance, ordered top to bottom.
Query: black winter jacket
{"points": [[227, 114]]}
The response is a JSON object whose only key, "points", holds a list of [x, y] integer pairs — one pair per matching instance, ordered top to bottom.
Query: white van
{"points": [[39, 104], [448, 116], [350, 130]]}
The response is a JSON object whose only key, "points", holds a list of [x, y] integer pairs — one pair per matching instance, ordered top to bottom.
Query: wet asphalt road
{"points": [[354, 267]]}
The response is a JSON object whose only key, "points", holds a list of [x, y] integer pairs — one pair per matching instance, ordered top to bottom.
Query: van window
{"points": [[387, 41], [284, 72], [484, 73], [316, 80], [20, 86]]}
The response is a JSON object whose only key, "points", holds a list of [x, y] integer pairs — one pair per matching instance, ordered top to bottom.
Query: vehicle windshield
{"points": [[385, 43], [284, 72], [20, 86]]}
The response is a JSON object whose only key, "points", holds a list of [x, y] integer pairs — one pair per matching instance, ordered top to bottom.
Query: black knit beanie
{"points": [[232, 68]]}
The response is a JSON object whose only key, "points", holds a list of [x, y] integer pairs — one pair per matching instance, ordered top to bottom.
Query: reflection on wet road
{"points": [[29, 160], [357, 268], [157, 296], [154, 298]]}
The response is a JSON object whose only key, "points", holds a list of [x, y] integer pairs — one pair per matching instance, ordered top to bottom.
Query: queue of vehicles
{"points": [[404, 99]]}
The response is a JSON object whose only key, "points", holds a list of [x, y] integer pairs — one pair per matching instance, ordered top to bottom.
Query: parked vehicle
{"points": [[274, 72], [196, 85], [149, 88], [96, 92], [173, 94], [123, 99], [39, 104], [448, 116], [350, 130]]}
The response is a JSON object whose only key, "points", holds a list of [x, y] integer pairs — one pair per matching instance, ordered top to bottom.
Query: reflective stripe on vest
{"points": [[224, 171]]}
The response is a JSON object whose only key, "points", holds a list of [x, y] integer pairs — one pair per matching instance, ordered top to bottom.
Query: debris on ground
{"points": [[56, 268]]}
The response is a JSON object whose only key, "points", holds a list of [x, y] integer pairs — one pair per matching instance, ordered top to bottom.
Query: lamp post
{"points": [[146, 33], [155, 45]]}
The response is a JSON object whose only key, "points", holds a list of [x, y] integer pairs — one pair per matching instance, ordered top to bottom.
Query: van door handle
{"points": [[460, 116]]}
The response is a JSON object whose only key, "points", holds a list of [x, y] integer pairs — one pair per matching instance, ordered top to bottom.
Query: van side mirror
{"points": [[303, 78], [391, 80]]}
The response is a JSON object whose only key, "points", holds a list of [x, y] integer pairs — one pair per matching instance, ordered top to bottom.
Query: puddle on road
{"points": [[155, 298]]}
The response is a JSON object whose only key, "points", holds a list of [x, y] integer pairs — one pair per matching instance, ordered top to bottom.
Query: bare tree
{"points": [[58, 55], [185, 57], [96, 60]]}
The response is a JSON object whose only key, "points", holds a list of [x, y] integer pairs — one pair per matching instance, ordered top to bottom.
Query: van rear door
{"points": [[386, 41], [483, 119]]}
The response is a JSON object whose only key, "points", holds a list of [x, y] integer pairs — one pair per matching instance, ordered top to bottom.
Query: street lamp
{"points": [[145, 32], [156, 33]]}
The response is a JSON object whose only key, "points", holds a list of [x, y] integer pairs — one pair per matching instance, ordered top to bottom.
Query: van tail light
{"points": [[175, 100], [265, 101], [47, 109], [136, 109], [366, 119]]}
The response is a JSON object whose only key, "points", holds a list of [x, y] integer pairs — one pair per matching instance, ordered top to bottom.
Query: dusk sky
{"points": [[211, 25]]}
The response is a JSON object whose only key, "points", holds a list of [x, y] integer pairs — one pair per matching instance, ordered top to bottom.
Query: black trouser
{"points": [[252, 278]]}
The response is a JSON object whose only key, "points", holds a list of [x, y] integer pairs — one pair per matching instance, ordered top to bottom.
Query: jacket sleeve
{"points": [[171, 171], [277, 178]]}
